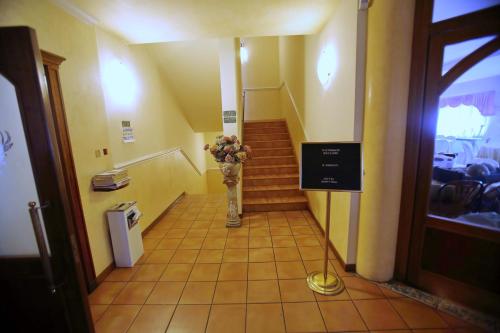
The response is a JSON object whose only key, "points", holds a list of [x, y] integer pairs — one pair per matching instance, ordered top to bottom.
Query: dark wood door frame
{"points": [[51, 63], [417, 128], [26, 300]]}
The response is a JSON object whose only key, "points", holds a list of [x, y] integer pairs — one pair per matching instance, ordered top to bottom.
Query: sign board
{"points": [[229, 116], [127, 132], [331, 166]]}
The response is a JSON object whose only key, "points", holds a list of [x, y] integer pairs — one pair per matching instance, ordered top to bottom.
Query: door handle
{"points": [[42, 245]]}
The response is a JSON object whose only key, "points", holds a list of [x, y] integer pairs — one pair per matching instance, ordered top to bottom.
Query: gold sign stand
{"points": [[323, 282]]}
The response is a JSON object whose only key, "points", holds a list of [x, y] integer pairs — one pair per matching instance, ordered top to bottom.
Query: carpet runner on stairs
{"points": [[271, 177]]}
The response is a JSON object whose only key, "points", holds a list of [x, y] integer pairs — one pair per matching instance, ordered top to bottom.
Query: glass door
{"points": [[455, 241], [42, 285]]}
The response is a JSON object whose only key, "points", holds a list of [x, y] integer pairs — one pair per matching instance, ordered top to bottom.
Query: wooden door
{"points": [[444, 247], [40, 271]]}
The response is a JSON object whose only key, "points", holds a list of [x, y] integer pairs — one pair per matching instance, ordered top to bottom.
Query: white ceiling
{"points": [[154, 21]]}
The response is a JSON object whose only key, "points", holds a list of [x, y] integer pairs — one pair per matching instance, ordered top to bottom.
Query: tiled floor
{"points": [[198, 276]]}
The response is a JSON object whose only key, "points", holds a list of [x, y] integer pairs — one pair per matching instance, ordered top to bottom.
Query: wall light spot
{"points": [[243, 54], [327, 65], [120, 84]]}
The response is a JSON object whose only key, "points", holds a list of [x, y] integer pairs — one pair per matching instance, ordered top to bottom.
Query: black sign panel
{"points": [[333, 166]]}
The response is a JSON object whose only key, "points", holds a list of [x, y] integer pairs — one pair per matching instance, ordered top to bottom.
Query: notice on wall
{"points": [[229, 116], [127, 132], [333, 166]]}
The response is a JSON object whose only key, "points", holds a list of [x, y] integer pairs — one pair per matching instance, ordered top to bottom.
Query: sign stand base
{"points": [[323, 282], [332, 285]]}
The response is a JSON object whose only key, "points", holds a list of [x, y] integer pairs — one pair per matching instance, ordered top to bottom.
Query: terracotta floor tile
{"points": [[297, 221], [278, 223], [301, 230], [280, 231], [197, 232], [217, 232], [238, 232], [260, 232], [155, 233], [177, 233], [306, 240], [283, 241], [260, 242], [150, 243], [194, 243], [214, 243], [237, 243], [169, 244], [312, 253], [287, 254], [235, 255], [261, 255], [184, 256], [210, 256], [144, 257], [160, 257], [317, 266], [339, 269], [290, 270], [233, 271], [262, 271], [149, 272], [176, 272], [204, 272], [121, 274], [359, 288], [263, 291], [296, 291], [106, 292], [230, 292], [134, 293], [166, 293], [198, 293], [342, 296], [97, 310], [378, 314], [417, 315], [341, 316], [303, 317], [189, 318], [265, 318], [117, 319], [152, 319], [227, 319], [438, 330]]}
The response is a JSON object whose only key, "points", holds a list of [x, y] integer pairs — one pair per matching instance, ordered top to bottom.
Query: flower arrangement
{"points": [[228, 149]]}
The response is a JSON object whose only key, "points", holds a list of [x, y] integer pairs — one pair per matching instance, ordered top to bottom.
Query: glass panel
{"points": [[445, 9], [453, 53], [466, 170], [17, 185]]}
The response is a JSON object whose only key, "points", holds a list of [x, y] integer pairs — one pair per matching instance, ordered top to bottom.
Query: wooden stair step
{"points": [[265, 123], [264, 130], [265, 137], [269, 144], [259, 152], [271, 160], [249, 170], [277, 179], [288, 190], [273, 204]]}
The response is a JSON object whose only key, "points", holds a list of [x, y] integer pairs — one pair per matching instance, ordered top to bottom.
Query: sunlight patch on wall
{"points": [[327, 65], [120, 84]]}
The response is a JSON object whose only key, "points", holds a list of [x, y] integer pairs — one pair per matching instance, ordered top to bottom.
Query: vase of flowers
{"points": [[229, 153]]}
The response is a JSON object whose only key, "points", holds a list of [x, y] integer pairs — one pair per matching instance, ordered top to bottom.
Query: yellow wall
{"points": [[390, 29], [262, 72], [323, 113], [92, 120]]}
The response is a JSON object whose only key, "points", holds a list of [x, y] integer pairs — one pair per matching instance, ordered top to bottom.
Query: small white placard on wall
{"points": [[127, 132]]}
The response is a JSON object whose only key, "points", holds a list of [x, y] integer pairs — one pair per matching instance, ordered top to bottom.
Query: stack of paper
{"points": [[111, 180]]}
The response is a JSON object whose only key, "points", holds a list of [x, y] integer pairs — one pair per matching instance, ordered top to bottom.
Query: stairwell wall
{"points": [[323, 113]]}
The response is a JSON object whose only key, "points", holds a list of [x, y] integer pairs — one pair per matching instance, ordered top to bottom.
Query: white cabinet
{"points": [[123, 221]]}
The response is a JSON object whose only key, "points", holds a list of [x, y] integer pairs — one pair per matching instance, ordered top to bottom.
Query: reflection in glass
{"points": [[445, 9], [453, 53], [466, 170]]}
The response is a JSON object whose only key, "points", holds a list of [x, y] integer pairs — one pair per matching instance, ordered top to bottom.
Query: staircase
{"points": [[271, 177]]}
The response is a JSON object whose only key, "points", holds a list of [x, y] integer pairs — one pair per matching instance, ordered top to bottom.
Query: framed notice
{"points": [[127, 132], [331, 166]]}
